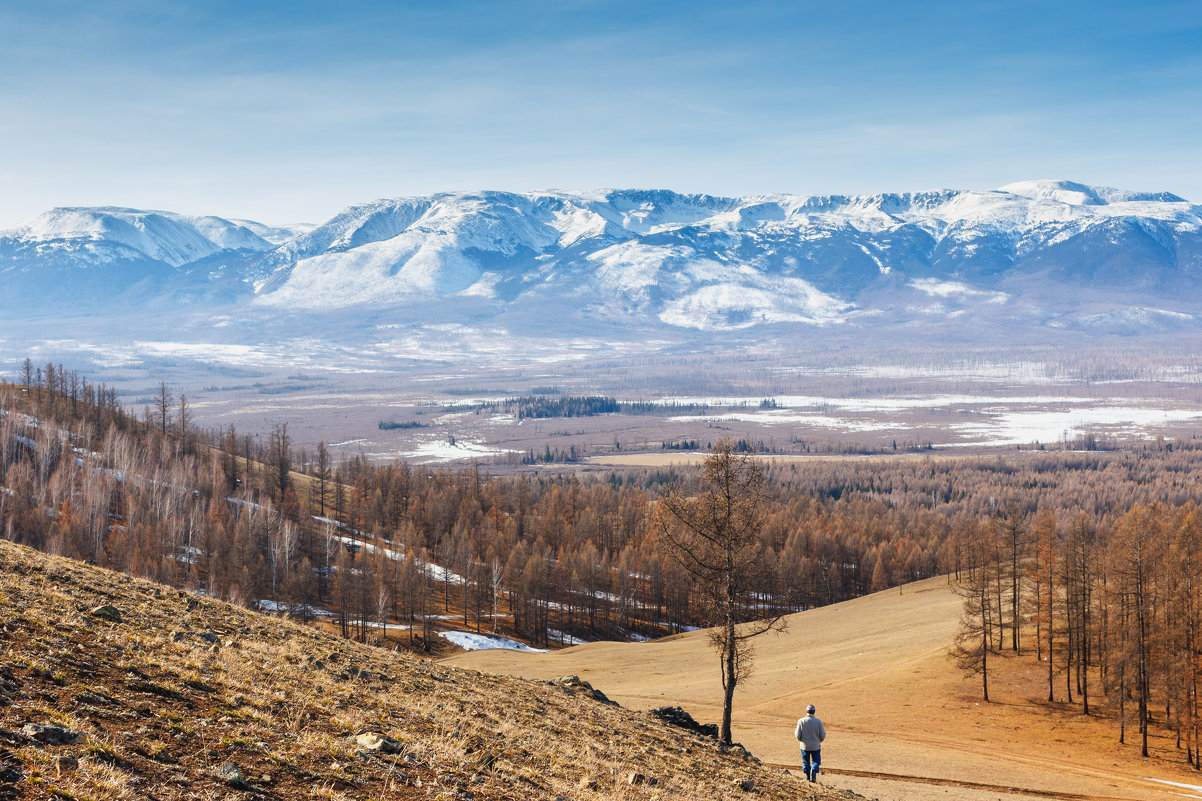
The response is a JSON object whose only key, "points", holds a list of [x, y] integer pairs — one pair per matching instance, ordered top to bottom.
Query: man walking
{"points": [[811, 733]]}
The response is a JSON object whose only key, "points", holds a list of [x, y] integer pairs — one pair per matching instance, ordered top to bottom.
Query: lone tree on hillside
{"points": [[714, 537]]}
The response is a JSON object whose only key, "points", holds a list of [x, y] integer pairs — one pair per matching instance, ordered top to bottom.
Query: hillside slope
{"points": [[115, 688], [903, 723]]}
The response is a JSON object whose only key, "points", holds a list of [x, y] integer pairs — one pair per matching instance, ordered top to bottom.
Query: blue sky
{"points": [[289, 111]]}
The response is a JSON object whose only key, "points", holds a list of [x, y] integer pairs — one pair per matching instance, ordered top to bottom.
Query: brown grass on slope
{"points": [[167, 696]]}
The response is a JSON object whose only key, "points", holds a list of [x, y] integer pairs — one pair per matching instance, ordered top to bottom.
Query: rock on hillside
{"points": [[117, 688]]}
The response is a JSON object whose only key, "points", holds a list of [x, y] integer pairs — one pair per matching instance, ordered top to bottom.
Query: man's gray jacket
{"points": [[811, 732]]}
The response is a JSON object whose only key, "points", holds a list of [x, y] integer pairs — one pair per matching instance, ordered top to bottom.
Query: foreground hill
{"points": [[115, 688], [903, 724]]}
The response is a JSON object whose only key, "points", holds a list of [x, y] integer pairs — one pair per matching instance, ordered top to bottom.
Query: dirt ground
{"points": [[903, 724]]}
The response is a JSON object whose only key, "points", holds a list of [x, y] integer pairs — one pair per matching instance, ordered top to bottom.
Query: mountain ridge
{"points": [[1039, 252]]}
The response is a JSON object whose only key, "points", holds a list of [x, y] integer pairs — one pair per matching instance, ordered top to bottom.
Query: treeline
{"points": [[538, 406], [542, 407], [551, 455], [1111, 605]]}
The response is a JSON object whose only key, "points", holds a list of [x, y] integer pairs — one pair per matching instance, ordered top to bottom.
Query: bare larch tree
{"points": [[714, 537]]}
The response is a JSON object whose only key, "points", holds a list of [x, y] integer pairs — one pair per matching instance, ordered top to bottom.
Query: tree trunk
{"points": [[1051, 643], [985, 663], [729, 678]]}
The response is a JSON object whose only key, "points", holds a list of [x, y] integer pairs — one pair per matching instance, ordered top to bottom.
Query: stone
{"points": [[106, 612], [575, 682], [94, 699], [676, 716], [51, 735], [13, 738], [373, 741], [738, 750], [10, 773], [231, 774], [635, 778], [587, 783], [747, 785]]}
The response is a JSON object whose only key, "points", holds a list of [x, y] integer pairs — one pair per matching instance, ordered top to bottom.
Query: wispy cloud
{"points": [[287, 110]]}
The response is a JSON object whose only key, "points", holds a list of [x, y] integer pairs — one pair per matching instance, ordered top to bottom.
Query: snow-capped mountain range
{"points": [[1047, 253]]}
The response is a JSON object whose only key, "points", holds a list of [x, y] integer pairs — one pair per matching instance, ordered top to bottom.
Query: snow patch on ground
{"points": [[951, 289], [769, 418], [1021, 428], [444, 451], [264, 605], [563, 637], [480, 642]]}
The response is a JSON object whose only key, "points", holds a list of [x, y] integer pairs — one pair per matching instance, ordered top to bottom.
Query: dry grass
{"points": [[183, 685], [903, 723]]}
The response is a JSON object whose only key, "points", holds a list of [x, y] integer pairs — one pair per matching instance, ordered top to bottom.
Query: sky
{"points": [[289, 111]]}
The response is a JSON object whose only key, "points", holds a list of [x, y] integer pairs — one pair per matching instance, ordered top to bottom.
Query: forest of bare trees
{"points": [[1087, 560], [1111, 606]]}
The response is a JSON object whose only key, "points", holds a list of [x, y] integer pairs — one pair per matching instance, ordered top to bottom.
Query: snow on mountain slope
{"points": [[645, 211], [275, 234], [174, 239], [402, 248], [1033, 250], [84, 258]]}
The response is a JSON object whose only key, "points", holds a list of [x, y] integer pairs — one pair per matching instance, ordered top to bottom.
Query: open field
{"points": [[903, 724]]}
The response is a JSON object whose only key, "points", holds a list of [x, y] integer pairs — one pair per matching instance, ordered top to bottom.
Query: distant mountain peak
{"points": [[1076, 194]]}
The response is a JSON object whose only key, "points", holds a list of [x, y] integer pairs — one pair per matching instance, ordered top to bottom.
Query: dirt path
{"points": [[903, 724], [966, 785]]}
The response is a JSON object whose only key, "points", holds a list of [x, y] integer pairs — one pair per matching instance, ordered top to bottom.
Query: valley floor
{"points": [[903, 724]]}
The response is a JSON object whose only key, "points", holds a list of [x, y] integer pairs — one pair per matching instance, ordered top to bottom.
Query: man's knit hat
{"points": [[810, 709]]}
